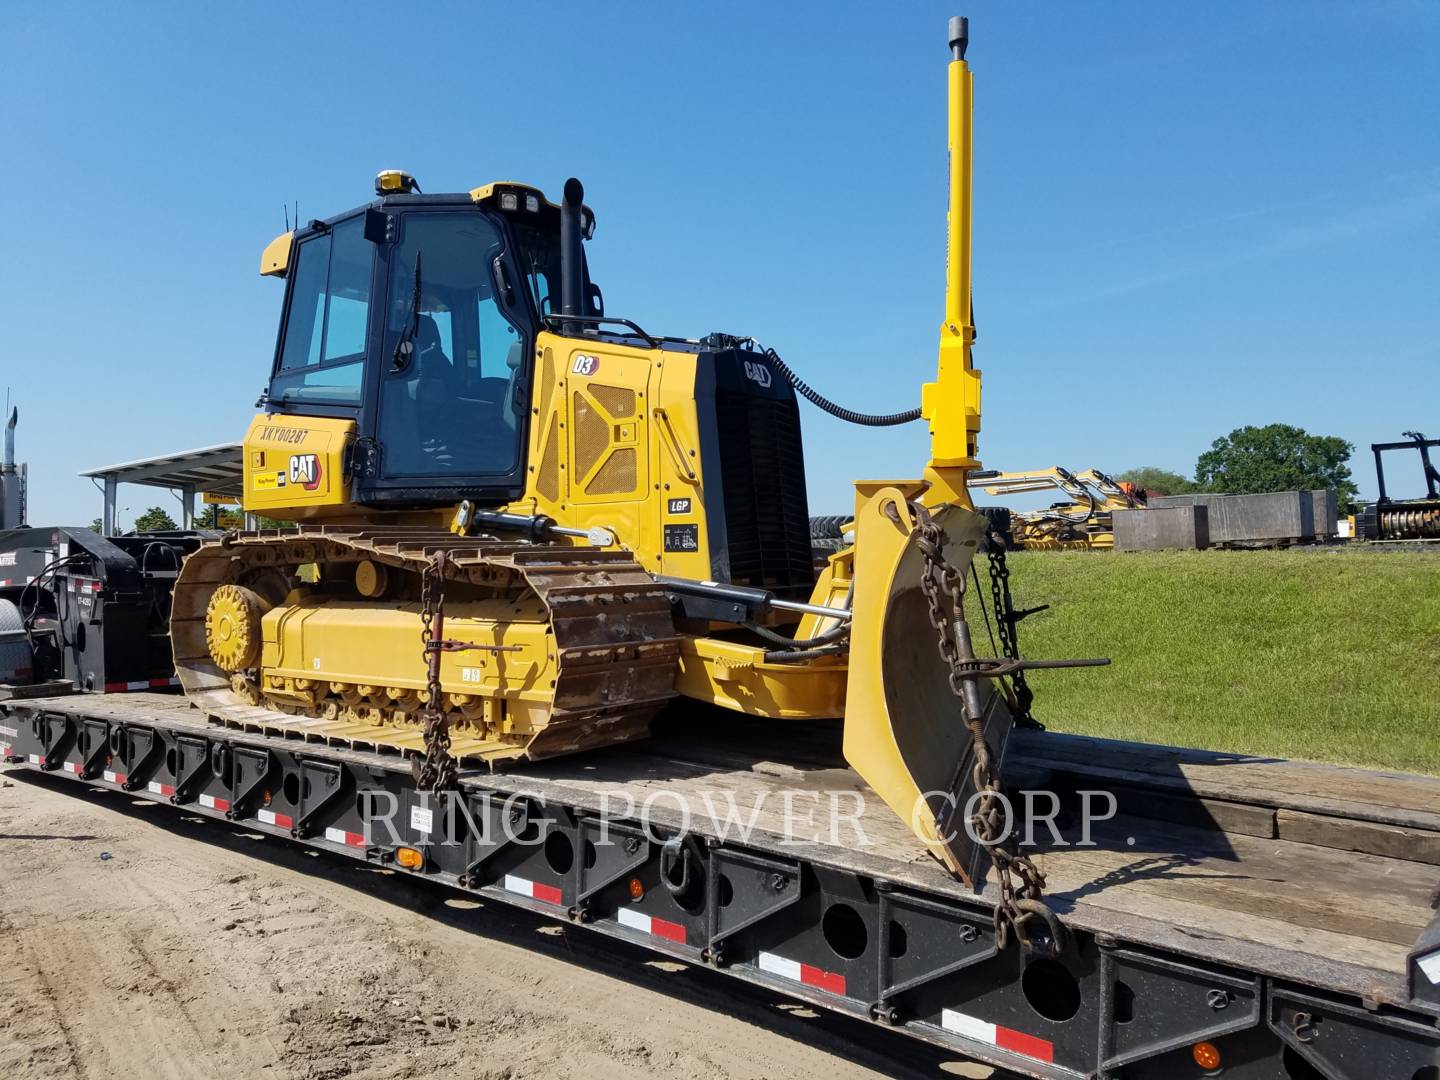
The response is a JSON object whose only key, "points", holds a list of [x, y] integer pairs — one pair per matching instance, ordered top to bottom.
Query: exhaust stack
{"points": [[572, 276], [12, 480]]}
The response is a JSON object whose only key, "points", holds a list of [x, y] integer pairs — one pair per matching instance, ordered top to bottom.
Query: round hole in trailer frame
{"points": [[559, 851], [844, 931], [1051, 990], [1124, 1003]]}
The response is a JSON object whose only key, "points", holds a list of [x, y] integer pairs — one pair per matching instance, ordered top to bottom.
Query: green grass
{"points": [[1326, 654]]}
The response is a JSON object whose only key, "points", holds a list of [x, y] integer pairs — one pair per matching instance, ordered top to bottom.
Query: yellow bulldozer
{"points": [[1084, 522], [525, 526]]}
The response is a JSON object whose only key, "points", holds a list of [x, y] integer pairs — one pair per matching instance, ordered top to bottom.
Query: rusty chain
{"points": [[1005, 619], [436, 771], [1021, 908]]}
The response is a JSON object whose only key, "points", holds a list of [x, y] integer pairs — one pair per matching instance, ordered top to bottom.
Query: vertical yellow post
{"points": [[952, 403]]}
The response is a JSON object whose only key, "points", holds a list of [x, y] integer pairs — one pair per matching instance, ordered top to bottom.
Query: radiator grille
{"points": [[767, 519]]}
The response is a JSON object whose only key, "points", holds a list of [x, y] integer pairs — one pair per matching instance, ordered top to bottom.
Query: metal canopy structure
{"points": [[217, 470]]}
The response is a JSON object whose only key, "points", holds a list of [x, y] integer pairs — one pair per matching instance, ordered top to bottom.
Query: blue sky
{"points": [[1188, 218]]}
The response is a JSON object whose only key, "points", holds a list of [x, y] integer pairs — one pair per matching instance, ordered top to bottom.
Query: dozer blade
{"points": [[904, 729]]}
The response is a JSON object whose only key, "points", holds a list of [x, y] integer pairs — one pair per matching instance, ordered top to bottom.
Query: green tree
{"points": [[1278, 457], [1158, 481], [154, 520], [97, 525]]}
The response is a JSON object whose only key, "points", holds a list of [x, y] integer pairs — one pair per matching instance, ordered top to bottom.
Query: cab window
{"points": [[322, 357], [449, 405]]}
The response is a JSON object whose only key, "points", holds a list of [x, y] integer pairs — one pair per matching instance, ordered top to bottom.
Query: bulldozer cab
{"points": [[417, 317]]}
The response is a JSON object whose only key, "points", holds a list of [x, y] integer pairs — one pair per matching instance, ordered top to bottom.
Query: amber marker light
{"points": [[409, 858], [637, 888], [1206, 1055]]}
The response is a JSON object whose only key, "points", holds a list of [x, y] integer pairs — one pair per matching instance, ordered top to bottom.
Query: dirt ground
{"points": [[130, 948]]}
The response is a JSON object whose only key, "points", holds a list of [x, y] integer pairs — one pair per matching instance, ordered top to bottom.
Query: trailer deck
{"points": [[1276, 909]]}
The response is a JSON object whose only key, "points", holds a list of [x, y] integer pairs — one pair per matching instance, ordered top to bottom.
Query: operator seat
{"points": [[434, 373], [433, 385]]}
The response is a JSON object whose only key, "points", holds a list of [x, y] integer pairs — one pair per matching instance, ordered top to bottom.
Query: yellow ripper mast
{"points": [[951, 404], [904, 733]]}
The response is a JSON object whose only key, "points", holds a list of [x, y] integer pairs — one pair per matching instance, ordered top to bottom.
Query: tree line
{"points": [[1251, 460]]}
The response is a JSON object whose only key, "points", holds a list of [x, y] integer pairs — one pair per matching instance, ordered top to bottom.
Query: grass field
{"points": [[1326, 654]]}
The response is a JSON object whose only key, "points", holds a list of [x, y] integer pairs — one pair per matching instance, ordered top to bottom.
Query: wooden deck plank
{"points": [[1404, 799]]}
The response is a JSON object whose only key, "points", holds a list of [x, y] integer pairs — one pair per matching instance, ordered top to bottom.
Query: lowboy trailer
{"points": [[1235, 916]]}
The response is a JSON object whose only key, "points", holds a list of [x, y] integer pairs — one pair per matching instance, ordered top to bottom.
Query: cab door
{"points": [[449, 408]]}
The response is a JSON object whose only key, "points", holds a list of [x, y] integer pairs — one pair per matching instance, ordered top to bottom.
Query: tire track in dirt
{"points": [[199, 950]]}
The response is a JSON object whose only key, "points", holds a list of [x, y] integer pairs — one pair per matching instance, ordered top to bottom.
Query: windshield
{"points": [[322, 356], [450, 404]]}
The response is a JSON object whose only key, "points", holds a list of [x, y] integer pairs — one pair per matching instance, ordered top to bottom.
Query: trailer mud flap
{"points": [[904, 731]]}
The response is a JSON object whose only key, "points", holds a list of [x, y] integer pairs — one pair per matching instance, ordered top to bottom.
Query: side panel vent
{"points": [[616, 476], [547, 483]]}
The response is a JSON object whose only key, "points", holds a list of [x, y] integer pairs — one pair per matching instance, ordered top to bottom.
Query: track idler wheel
{"points": [[232, 627]]}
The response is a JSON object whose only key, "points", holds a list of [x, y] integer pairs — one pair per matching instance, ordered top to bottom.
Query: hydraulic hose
{"points": [[805, 390], [850, 416], [770, 636], [785, 656]]}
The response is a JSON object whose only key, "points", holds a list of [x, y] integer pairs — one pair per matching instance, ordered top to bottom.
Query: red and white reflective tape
{"points": [[83, 585], [140, 684], [34, 759], [72, 767], [114, 777], [166, 790], [213, 803], [280, 821], [340, 836], [533, 889], [648, 924], [802, 973], [1002, 1038]]}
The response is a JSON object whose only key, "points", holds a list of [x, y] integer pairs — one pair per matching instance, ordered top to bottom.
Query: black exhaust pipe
{"points": [[572, 277]]}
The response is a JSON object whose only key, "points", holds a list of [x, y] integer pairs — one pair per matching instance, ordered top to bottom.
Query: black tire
{"points": [[997, 522], [827, 526]]}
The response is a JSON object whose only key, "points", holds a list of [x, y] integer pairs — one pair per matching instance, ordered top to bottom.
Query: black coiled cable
{"points": [[805, 390], [850, 416]]}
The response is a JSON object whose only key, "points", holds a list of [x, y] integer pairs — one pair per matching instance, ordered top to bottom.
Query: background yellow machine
{"points": [[1083, 522], [526, 526]]}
